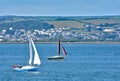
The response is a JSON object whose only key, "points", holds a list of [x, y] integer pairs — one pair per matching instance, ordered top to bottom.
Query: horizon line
{"points": [[64, 15]]}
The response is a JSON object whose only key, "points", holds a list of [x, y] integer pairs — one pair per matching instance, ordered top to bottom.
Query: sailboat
{"points": [[59, 49], [34, 62]]}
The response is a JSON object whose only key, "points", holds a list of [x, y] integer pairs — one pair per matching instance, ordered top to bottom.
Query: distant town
{"points": [[70, 29]]}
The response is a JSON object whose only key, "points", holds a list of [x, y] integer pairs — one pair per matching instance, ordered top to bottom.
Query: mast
{"points": [[59, 46]]}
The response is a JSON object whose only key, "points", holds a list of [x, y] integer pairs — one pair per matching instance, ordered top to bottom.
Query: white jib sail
{"points": [[36, 57]]}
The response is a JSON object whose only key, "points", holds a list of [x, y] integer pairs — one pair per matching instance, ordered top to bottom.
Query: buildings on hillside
{"points": [[67, 34]]}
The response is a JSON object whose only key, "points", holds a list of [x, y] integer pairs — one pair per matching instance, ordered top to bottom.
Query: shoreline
{"points": [[62, 42]]}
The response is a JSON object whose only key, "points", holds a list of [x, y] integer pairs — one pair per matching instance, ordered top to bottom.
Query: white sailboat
{"points": [[58, 56], [32, 61]]}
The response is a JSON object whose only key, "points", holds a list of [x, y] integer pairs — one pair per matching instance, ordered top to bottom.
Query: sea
{"points": [[84, 62]]}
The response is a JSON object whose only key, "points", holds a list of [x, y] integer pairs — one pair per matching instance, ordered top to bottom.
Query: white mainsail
{"points": [[30, 49], [36, 57]]}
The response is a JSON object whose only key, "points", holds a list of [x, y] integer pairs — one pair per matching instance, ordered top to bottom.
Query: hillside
{"points": [[57, 21], [69, 28]]}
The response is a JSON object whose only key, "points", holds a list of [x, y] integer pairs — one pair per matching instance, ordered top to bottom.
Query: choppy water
{"points": [[84, 62]]}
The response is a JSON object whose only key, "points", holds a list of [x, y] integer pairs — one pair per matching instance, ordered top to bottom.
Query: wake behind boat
{"points": [[58, 57], [33, 62]]}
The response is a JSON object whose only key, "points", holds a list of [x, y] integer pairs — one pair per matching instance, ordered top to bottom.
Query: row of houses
{"points": [[69, 34]]}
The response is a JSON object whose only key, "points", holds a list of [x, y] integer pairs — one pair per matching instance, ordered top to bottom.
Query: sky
{"points": [[59, 7]]}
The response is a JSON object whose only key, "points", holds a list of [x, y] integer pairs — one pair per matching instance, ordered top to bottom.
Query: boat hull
{"points": [[56, 57], [26, 68]]}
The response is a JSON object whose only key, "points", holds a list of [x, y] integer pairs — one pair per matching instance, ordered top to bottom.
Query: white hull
{"points": [[55, 57], [34, 59], [26, 68]]}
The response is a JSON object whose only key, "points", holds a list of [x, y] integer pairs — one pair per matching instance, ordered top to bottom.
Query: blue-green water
{"points": [[84, 62]]}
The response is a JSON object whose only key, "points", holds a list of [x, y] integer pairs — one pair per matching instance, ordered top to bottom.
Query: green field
{"points": [[63, 21], [66, 23]]}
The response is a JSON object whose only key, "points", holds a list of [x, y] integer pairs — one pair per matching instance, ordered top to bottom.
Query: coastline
{"points": [[62, 42]]}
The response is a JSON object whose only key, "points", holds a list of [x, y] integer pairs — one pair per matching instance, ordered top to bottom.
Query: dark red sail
{"points": [[63, 49]]}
